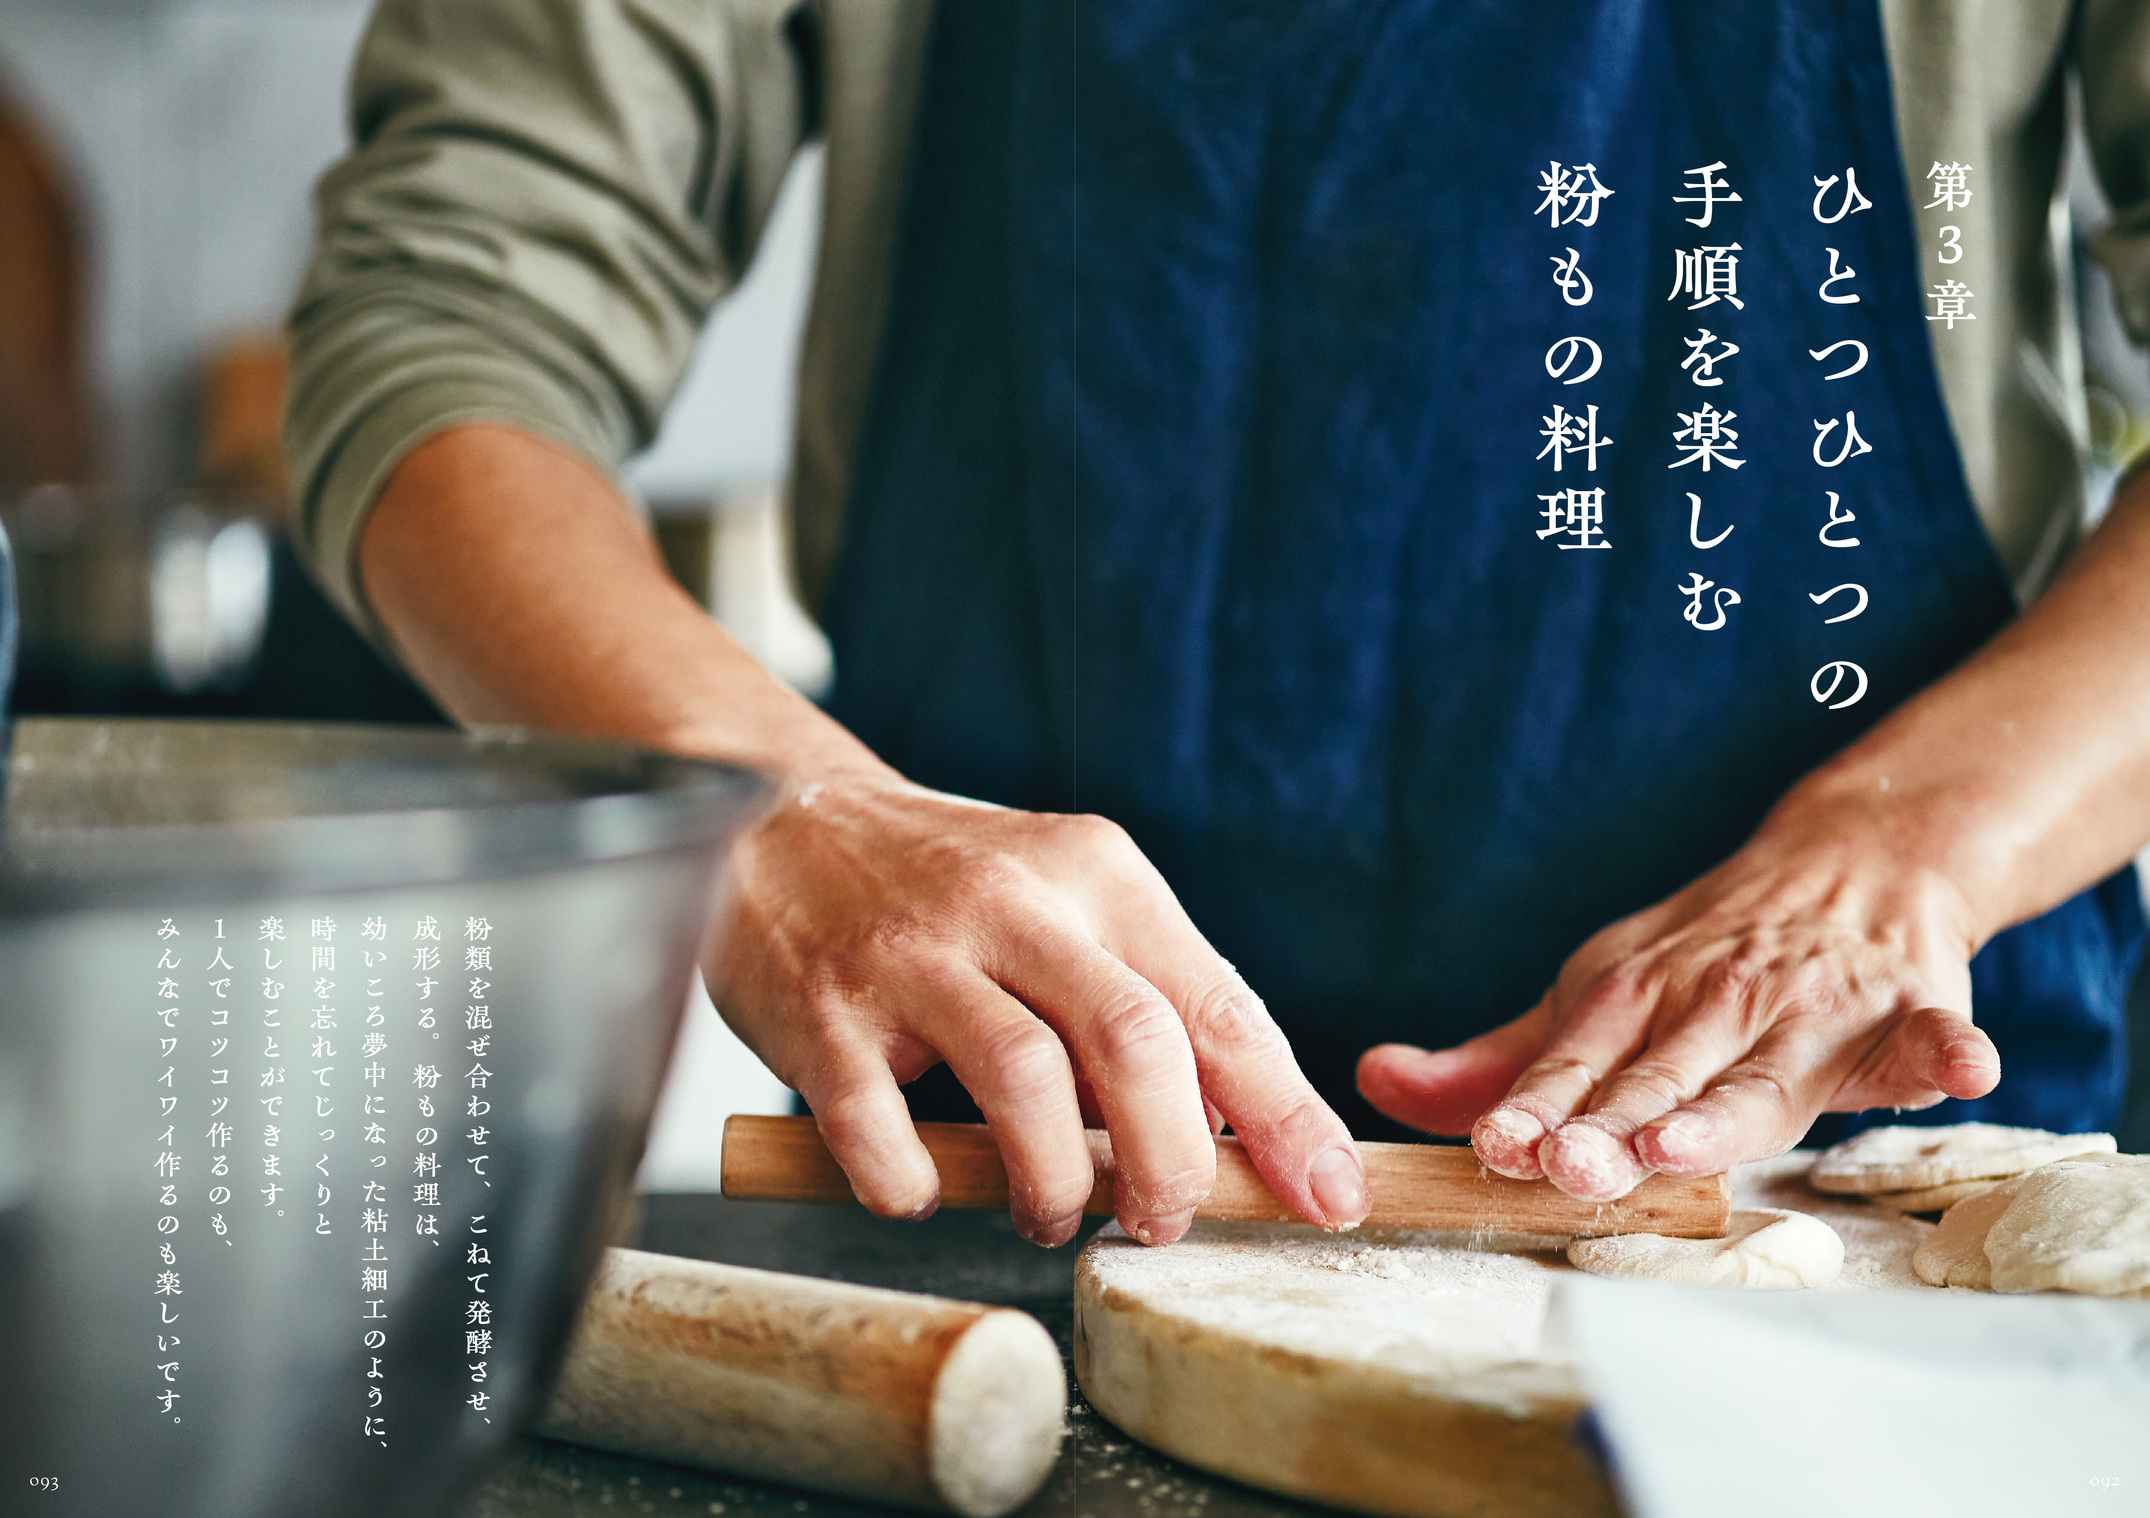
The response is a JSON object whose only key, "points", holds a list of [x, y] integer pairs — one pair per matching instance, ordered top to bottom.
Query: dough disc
{"points": [[1908, 1159], [1931, 1198], [2080, 1225], [1770, 1247], [1956, 1254]]}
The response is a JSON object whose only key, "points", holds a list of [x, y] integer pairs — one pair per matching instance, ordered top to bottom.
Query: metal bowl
{"points": [[262, 985]]}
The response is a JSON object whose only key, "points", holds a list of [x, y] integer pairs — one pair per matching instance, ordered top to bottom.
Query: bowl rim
{"points": [[663, 803]]}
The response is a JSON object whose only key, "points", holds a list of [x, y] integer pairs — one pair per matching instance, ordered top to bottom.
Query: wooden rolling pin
{"points": [[782, 1159], [883, 1395]]}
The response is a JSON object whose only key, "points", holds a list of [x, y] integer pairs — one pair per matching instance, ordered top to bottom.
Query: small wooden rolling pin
{"points": [[782, 1159], [884, 1395]]}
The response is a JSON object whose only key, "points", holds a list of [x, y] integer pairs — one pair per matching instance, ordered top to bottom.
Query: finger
{"points": [[1599, 1034], [1933, 1049], [1133, 1052], [1015, 1069], [1447, 1090], [1764, 1104], [1758, 1107], [864, 1121], [1298, 1144], [1300, 1147], [1594, 1157]]}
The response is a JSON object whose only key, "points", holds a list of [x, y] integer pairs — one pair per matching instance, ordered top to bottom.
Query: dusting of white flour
{"points": [[1388, 1264], [1465, 1310]]}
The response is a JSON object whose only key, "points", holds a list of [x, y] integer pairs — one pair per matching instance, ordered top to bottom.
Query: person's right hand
{"points": [[876, 928], [879, 928]]}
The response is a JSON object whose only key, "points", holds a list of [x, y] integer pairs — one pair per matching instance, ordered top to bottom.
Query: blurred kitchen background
{"points": [[156, 158], [156, 164]]}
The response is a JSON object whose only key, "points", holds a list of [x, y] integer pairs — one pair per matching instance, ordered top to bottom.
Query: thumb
{"points": [[1946, 1052], [1447, 1090]]}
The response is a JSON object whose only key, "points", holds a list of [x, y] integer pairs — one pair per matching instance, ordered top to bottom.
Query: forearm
{"points": [[541, 204], [520, 588], [2023, 776], [876, 928]]}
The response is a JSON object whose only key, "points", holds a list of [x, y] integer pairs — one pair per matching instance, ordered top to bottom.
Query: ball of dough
{"points": [[1910, 1158], [1930, 1198], [2081, 1225], [1769, 1247]]}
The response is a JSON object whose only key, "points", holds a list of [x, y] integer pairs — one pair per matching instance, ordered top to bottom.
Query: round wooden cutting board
{"points": [[1390, 1372]]}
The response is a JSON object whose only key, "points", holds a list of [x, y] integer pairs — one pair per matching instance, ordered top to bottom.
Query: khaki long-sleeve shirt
{"points": [[544, 200]]}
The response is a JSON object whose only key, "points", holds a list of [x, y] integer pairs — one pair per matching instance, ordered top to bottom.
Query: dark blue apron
{"points": [[1209, 480]]}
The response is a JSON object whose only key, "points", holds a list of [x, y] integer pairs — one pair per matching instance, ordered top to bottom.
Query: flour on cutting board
{"points": [[1418, 1302], [1432, 1303]]}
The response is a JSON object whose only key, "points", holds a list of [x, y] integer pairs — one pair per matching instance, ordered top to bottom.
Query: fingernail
{"points": [[1515, 1125], [1683, 1133], [1507, 1138], [1589, 1163], [1339, 1187], [920, 1214], [1163, 1228]]}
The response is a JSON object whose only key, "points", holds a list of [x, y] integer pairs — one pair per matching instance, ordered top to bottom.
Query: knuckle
{"points": [[1095, 832], [1105, 844], [985, 883], [887, 936], [1722, 982], [828, 994], [1620, 994], [1225, 1015], [1140, 1032], [1025, 1061], [1564, 1070], [1658, 1080], [1768, 1080], [1303, 1116], [1290, 1118], [852, 1119]]}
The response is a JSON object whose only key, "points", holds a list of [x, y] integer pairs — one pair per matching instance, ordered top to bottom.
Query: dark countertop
{"points": [[975, 1256]]}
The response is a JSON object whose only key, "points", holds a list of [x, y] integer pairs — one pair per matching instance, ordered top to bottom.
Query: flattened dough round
{"points": [[1908, 1158], [1931, 1198], [2081, 1225], [1768, 1247], [1956, 1253]]}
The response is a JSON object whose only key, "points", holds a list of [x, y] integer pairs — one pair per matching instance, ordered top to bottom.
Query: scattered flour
{"points": [[1388, 1264], [1462, 1314]]}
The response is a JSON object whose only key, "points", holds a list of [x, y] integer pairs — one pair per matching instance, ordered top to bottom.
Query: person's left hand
{"points": [[1812, 972]]}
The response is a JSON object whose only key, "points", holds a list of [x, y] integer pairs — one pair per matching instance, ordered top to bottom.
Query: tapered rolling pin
{"points": [[782, 1159], [884, 1395]]}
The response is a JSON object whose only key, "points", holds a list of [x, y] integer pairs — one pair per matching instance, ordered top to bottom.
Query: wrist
{"points": [[796, 748], [1947, 840]]}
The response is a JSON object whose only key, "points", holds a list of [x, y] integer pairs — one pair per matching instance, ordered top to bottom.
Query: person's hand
{"points": [[877, 928], [880, 928], [1812, 972]]}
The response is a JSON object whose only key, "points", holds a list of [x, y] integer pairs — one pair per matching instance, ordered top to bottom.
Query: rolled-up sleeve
{"points": [[2113, 52], [542, 201]]}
